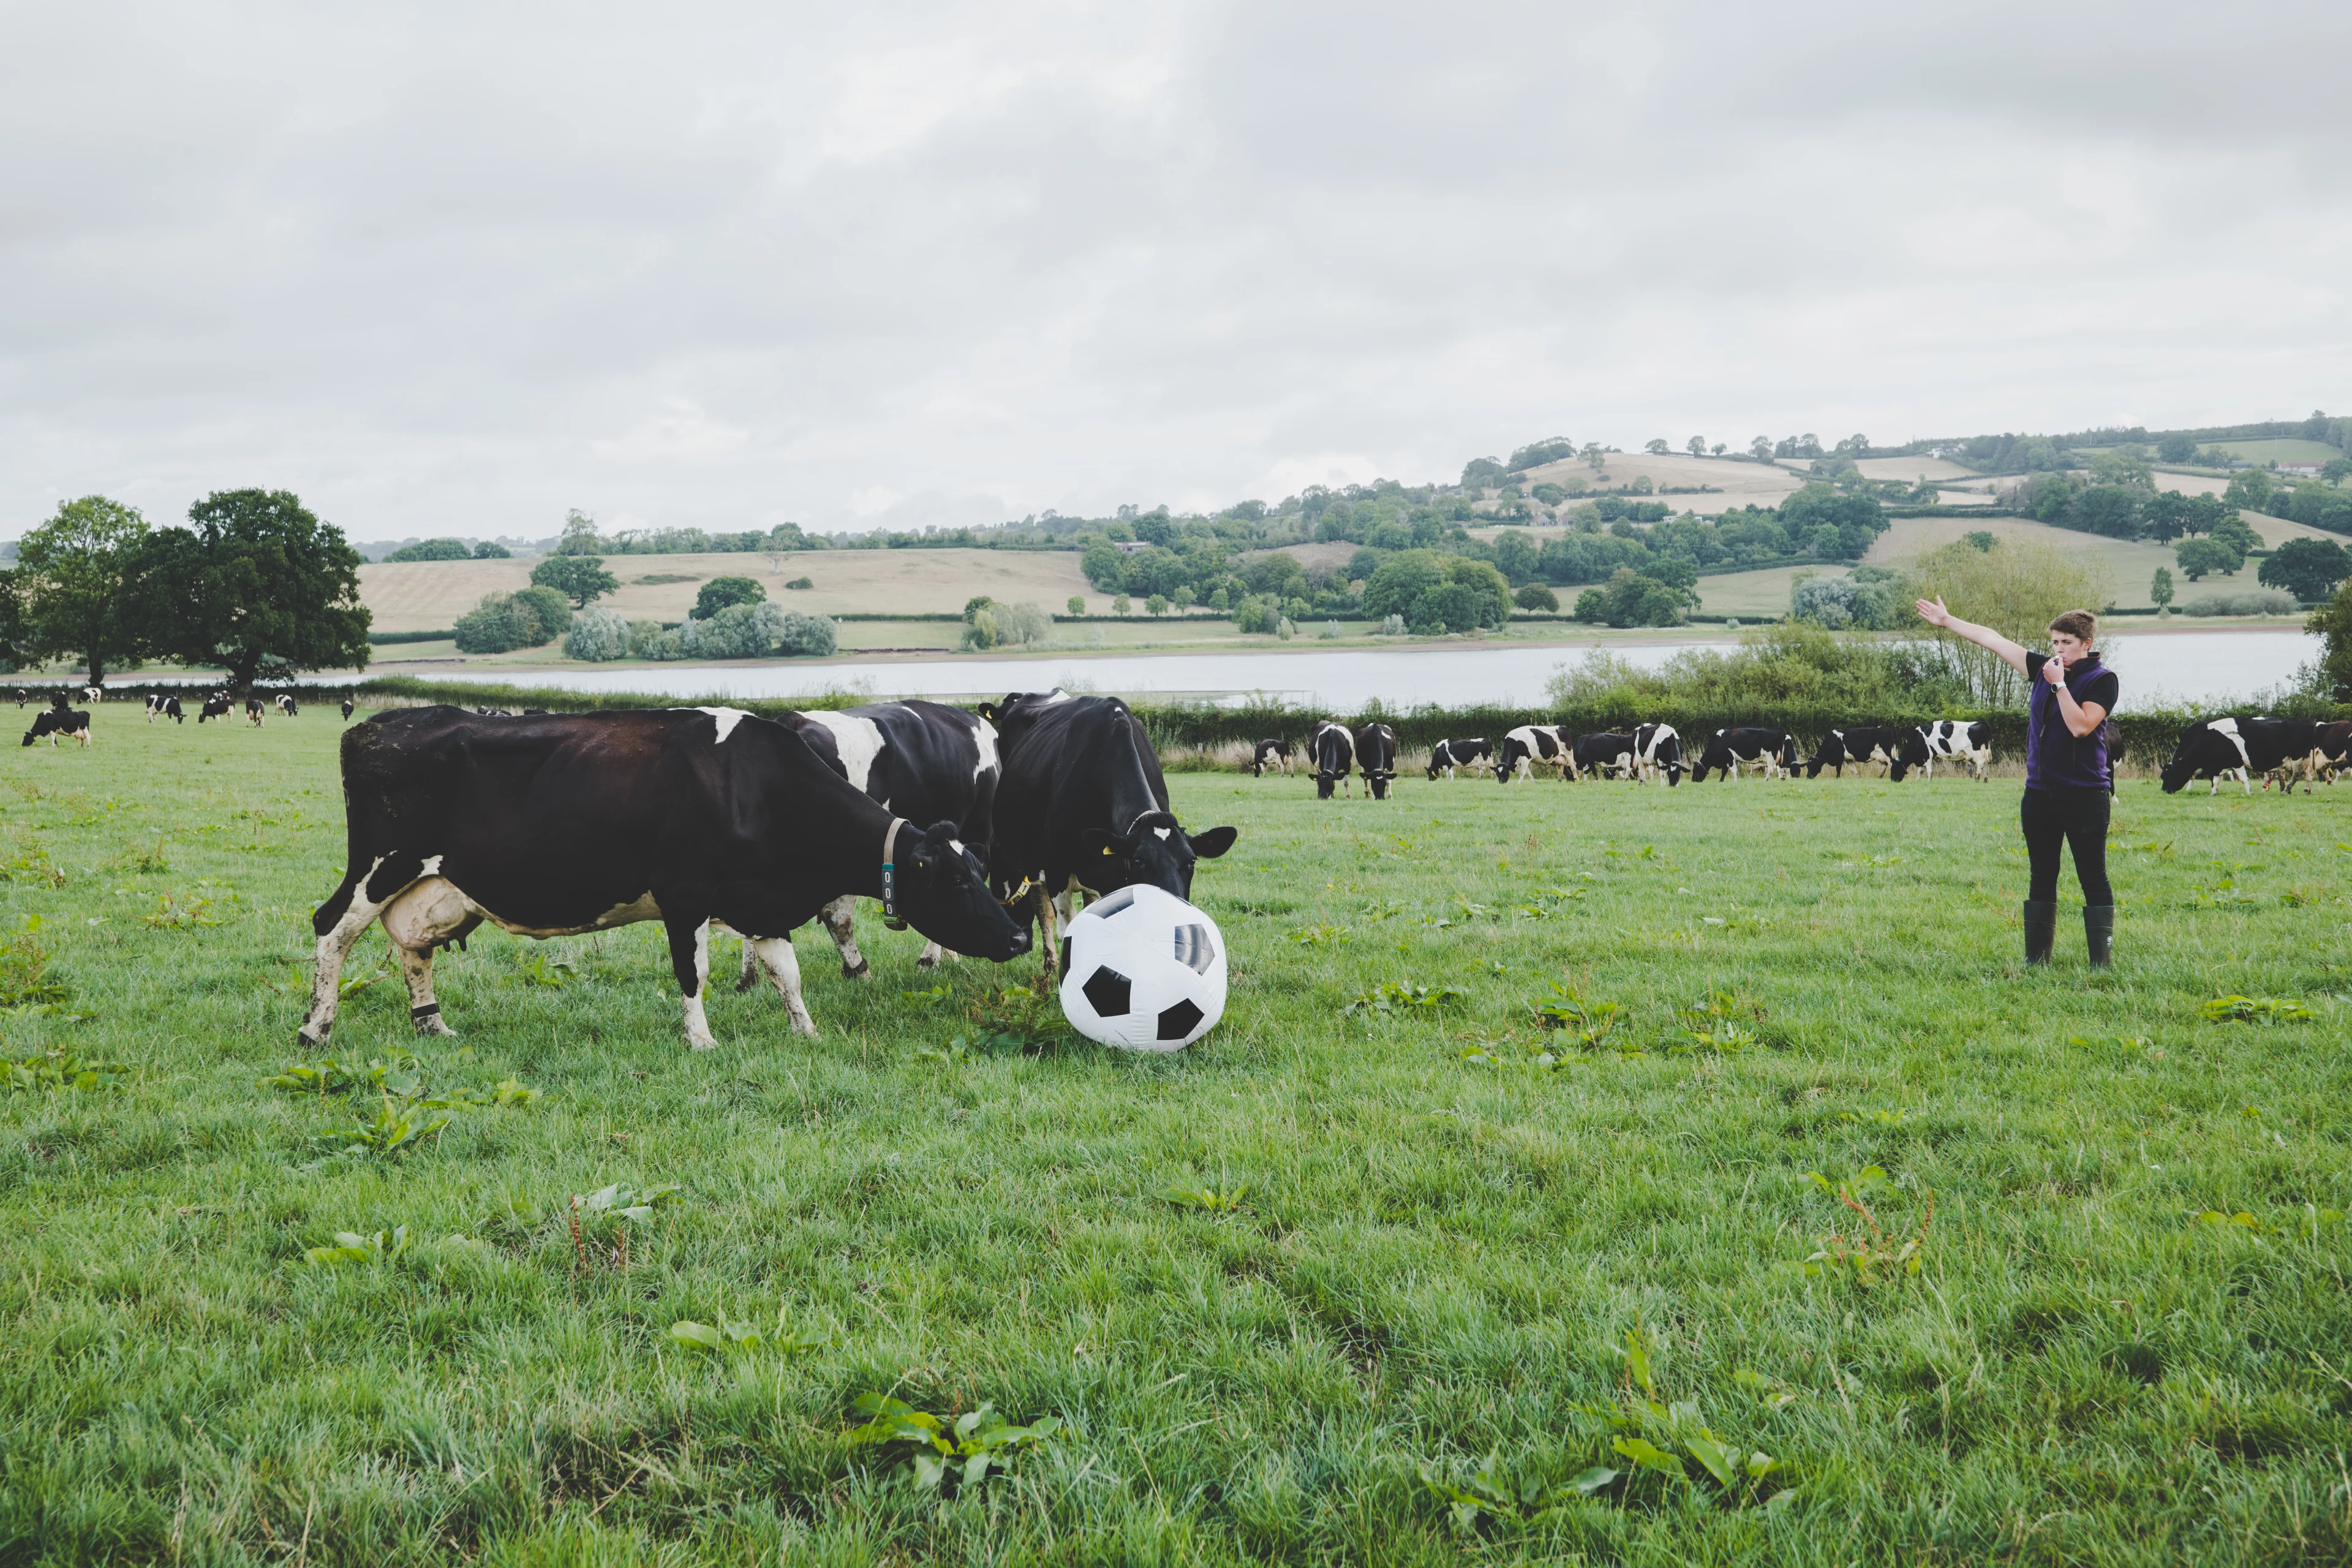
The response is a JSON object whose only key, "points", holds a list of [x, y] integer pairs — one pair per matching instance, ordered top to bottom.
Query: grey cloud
{"points": [[460, 269]]}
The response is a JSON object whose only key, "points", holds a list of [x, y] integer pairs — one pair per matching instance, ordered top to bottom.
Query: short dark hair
{"points": [[2078, 624]]}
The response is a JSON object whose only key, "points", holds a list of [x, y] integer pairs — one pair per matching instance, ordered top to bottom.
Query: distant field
{"points": [[2280, 451], [1911, 469], [1741, 483], [2131, 566], [1750, 595], [427, 596]]}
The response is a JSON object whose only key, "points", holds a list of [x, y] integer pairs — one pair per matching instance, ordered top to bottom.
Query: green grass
{"points": [[2285, 449], [1406, 1256]]}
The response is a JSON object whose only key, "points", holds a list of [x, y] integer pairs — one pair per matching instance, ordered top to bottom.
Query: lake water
{"points": [[2199, 667]]}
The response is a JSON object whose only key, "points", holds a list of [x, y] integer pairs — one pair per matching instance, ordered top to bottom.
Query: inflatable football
{"points": [[1143, 971]]}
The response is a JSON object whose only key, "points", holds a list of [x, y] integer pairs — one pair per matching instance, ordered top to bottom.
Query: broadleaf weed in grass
{"points": [[31, 866], [203, 905], [24, 968], [1396, 997], [2262, 1010], [1589, 1021], [58, 1068], [1216, 1199], [605, 1215], [1869, 1255], [738, 1337], [948, 1456]]}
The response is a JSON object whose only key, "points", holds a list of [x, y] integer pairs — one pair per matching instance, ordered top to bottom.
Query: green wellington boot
{"points": [[2041, 929], [2099, 930]]}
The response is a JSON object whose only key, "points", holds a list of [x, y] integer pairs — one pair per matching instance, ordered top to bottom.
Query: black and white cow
{"points": [[93, 693], [23, 697], [154, 705], [287, 705], [348, 705], [215, 706], [168, 708], [254, 709], [71, 722], [1950, 739], [1862, 745], [1530, 747], [2224, 748], [1332, 749], [1657, 749], [2329, 749], [1376, 751], [1604, 751], [1773, 751], [1271, 753], [1448, 755], [925, 761], [1081, 804], [571, 823]]}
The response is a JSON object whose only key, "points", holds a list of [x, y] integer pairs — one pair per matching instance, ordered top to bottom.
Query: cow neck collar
{"points": [[890, 868]]}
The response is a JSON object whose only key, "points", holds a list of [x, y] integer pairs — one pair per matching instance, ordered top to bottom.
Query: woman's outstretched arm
{"points": [[1932, 612]]}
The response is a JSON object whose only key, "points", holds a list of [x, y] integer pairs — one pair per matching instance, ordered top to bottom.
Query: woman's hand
{"points": [[1932, 612], [2055, 672]]}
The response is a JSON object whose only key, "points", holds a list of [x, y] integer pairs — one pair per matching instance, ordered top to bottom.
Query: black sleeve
{"points": [[2033, 663], [2103, 691]]}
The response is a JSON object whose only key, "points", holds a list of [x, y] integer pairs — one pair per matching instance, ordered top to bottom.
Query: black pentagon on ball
{"points": [[1194, 950], [1106, 991], [1179, 1021]]}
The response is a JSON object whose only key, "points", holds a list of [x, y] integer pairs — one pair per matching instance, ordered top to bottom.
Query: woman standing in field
{"points": [[2068, 787]]}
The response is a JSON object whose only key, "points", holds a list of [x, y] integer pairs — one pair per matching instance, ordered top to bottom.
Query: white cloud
{"points": [[449, 268]]}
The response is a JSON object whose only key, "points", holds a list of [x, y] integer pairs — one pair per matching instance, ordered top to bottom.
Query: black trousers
{"points": [[2077, 818]]}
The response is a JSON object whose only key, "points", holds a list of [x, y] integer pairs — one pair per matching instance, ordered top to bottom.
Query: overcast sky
{"points": [[458, 269]]}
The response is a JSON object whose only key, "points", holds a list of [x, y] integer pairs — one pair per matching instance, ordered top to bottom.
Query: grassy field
{"points": [[2131, 563], [1410, 1240]]}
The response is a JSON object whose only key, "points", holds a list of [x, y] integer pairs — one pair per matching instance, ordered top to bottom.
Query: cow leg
{"points": [[428, 914], [840, 918], [1047, 943], [932, 953], [690, 959], [784, 967], [749, 974], [327, 975]]}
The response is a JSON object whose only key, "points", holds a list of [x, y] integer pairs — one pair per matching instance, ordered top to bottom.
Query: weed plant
{"points": [[1516, 1208]]}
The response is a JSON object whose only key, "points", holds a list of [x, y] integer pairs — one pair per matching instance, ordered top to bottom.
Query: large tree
{"points": [[2308, 568], [77, 570], [579, 578], [256, 586]]}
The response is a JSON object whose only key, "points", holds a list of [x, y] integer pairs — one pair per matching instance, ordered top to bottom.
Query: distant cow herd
{"points": [[62, 721], [2285, 752]]}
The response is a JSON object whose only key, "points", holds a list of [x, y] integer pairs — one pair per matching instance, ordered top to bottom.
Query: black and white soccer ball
{"points": [[1143, 971]]}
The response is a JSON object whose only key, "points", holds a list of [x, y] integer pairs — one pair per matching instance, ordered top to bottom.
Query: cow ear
{"points": [[988, 710], [1215, 842]]}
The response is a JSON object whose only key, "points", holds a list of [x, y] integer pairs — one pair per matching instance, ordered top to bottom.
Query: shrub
{"points": [[434, 549], [802, 583], [722, 592], [1536, 596], [2260, 602], [549, 612], [497, 624], [732, 633], [809, 636], [598, 637], [651, 639]]}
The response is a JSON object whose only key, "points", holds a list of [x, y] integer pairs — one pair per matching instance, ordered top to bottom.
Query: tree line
{"points": [[254, 584]]}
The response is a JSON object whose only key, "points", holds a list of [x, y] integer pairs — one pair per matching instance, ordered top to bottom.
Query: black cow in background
{"points": [[287, 705], [348, 705], [215, 706], [168, 708], [254, 709], [55, 721], [1858, 744], [1529, 746], [2222, 748], [1332, 749], [2329, 749], [1376, 751], [1608, 751], [1728, 751], [1276, 753], [1449, 755], [1081, 803], [554, 826]]}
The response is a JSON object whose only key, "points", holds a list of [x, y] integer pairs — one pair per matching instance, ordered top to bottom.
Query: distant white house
{"points": [[2310, 469]]}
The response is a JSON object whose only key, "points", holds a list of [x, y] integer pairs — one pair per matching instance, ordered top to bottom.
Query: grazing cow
{"points": [[93, 693], [23, 697], [154, 705], [287, 705], [348, 705], [215, 706], [166, 708], [254, 709], [55, 721], [1946, 738], [2298, 739], [1860, 744], [1532, 746], [2220, 748], [1656, 749], [2328, 749], [1772, 750], [1333, 751], [1610, 751], [1376, 752], [1275, 753], [1449, 755], [927, 759], [1081, 804], [583, 822]]}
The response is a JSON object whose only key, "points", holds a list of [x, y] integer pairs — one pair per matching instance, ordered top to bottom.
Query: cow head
{"points": [[39, 728], [2202, 750], [1911, 753], [1669, 756], [1822, 758], [1790, 761], [1376, 779], [1155, 850], [942, 891]]}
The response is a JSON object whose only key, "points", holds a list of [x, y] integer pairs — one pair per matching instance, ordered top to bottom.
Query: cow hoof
{"points": [[927, 962], [861, 971], [429, 1027], [705, 1044]]}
